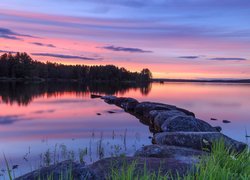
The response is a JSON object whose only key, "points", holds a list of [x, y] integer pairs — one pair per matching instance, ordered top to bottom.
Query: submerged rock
{"points": [[213, 119], [226, 121], [197, 140]]}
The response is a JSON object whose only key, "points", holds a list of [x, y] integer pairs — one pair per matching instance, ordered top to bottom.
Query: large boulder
{"points": [[109, 99], [128, 104], [143, 110], [158, 117], [187, 124], [197, 140], [164, 151], [102, 169]]}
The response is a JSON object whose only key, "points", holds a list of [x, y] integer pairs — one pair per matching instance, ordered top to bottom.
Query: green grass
{"points": [[221, 164], [8, 167], [128, 172]]}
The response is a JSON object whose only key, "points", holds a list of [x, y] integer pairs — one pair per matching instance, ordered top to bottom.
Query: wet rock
{"points": [[93, 96], [109, 99], [129, 104], [111, 112], [98, 114], [159, 117], [226, 121], [186, 124], [218, 128], [197, 140], [164, 151], [63, 169], [102, 169]]}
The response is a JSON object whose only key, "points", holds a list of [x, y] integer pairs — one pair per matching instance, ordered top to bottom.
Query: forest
{"points": [[22, 66]]}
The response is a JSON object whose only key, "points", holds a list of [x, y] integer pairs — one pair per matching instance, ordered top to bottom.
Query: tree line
{"points": [[21, 65]]}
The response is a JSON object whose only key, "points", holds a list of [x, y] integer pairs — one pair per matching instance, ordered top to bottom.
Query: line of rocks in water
{"points": [[174, 126], [179, 139]]}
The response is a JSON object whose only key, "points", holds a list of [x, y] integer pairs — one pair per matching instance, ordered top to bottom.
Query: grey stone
{"points": [[186, 124], [197, 140]]}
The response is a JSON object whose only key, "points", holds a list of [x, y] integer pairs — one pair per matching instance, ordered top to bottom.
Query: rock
{"points": [[93, 96], [109, 99], [129, 104], [145, 110], [111, 112], [98, 114], [162, 116], [213, 119], [226, 121], [186, 124], [218, 128], [197, 140], [164, 151], [102, 168], [62, 169]]}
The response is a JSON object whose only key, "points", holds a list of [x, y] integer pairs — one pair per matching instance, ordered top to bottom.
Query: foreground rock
{"points": [[197, 140], [163, 151], [102, 169]]}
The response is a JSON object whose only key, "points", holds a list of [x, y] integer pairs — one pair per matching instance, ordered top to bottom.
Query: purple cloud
{"points": [[9, 34], [41, 44], [125, 49], [64, 56], [189, 57], [228, 59]]}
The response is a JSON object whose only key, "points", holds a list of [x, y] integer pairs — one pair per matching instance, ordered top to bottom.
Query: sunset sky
{"points": [[173, 38]]}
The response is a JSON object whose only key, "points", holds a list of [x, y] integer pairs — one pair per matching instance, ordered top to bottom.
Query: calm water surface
{"points": [[61, 117]]}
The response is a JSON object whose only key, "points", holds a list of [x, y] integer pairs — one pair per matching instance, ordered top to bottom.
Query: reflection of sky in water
{"points": [[71, 118]]}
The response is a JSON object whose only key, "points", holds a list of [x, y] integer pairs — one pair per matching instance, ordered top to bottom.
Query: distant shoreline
{"points": [[6, 79], [203, 80], [243, 81]]}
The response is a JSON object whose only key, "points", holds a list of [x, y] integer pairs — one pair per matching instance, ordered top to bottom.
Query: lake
{"points": [[42, 123]]}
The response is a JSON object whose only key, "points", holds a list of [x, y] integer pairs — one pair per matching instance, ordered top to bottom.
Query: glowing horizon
{"points": [[174, 39]]}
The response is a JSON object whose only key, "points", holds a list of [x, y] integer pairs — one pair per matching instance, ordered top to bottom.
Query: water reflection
{"points": [[24, 93], [42, 116]]}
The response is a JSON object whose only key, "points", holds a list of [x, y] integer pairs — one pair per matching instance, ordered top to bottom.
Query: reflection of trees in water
{"points": [[145, 90], [23, 93]]}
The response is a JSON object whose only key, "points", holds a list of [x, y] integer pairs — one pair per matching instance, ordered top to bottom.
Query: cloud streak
{"points": [[9, 34], [41, 44], [126, 49], [5, 51], [64, 56], [189, 57], [228, 59]]}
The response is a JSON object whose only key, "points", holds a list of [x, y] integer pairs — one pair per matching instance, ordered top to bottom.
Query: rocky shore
{"points": [[179, 139]]}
